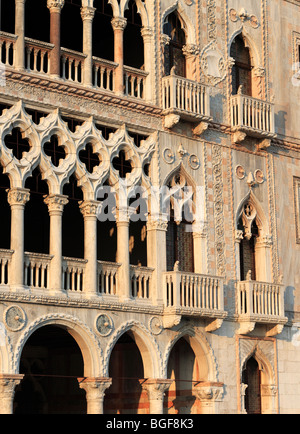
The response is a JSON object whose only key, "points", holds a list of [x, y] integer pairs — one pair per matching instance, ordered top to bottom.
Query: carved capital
{"points": [[55, 5], [87, 13], [118, 23], [146, 33], [190, 50], [18, 196], [56, 203], [89, 208], [95, 387], [156, 388], [209, 391]]}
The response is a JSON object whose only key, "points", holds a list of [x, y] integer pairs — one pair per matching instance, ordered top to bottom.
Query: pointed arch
{"points": [[186, 22], [259, 214]]}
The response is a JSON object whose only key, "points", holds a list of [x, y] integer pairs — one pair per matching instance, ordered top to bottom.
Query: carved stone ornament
{"points": [[243, 16], [213, 64], [168, 156], [194, 162], [240, 172], [14, 318], [104, 325], [155, 325]]}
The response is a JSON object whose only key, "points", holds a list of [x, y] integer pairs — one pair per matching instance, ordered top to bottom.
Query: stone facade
{"points": [[188, 333]]}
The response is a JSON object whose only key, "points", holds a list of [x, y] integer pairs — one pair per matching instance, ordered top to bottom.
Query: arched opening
{"points": [[7, 17], [38, 29], [71, 35], [103, 35], [133, 38], [174, 57], [242, 69], [36, 216], [72, 221], [106, 224], [248, 261], [51, 362], [126, 369], [184, 370], [252, 378]]}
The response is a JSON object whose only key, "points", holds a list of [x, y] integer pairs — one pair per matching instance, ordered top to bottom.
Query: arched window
{"points": [[71, 25], [38, 29], [103, 35], [133, 41], [174, 56], [241, 71], [247, 252], [252, 378]]}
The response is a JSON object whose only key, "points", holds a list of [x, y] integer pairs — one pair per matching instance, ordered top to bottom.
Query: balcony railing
{"points": [[7, 42], [38, 56], [72, 65], [103, 73], [134, 82], [185, 97], [253, 116], [5, 258], [36, 270], [73, 271], [107, 278], [141, 282], [193, 292], [260, 302]]}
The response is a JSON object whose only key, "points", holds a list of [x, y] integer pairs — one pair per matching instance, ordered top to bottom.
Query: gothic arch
{"points": [[186, 23], [249, 43], [259, 215], [85, 338], [146, 344], [202, 350]]}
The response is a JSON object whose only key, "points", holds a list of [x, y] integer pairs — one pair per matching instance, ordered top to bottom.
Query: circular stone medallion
{"points": [[14, 318], [104, 325], [155, 325]]}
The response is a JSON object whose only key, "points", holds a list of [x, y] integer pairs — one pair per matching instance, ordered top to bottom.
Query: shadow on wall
{"points": [[280, 122]]}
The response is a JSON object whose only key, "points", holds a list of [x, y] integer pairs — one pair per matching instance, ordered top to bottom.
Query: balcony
{"points": [[184, 99], [252, 117], [193, 295], [261, 303]]}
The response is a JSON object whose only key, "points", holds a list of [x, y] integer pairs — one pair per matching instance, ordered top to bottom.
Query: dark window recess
{"points": [[36, 28], [103, 31], [71, 36], [133, 41], [174, 56], [241, 71], [3, 107], [36, 115], [72, 123], [106, 131], [137, 138], [17, 143], [54, 151], [89, 158], [122, 165]]}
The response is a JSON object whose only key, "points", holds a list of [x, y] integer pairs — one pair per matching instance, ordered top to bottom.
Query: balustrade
{"points": [[7, 42], [38, 56], [72, 65], [103, 73], [134, 82], [183, 95], [252, 114], [5, 257], [36, 270], [73, 271], [107, 277], [140, 282], [193, 291]]}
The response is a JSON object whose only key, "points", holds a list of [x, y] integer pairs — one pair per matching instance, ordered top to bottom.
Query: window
{"points": [[174, 54], [241, 72], [297, 207]]}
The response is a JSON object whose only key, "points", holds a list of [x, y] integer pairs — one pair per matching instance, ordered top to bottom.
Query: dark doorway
{"points": [[174, 56], [241, 71], [51, 362], [251, 377]]}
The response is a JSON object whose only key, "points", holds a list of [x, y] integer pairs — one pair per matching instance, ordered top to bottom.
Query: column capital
{"points": [[55, 5], [87, 13], [118, 23], [147, 33], [190, 50], [18, 196], [56, 203], [89, 208], [157, 223], [8, 383], [95, 386], [156, 387], [209, 391]]}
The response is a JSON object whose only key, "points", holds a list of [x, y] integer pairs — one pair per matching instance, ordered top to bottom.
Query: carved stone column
{"points": [[55, 7], [87, 15], [118, 25], [20, 33], [147, 35], [191, 52], [17, 198], [56, 203], [89, 211], [157, 253], [123, 286], [8, 383], [156, 389], [95, 392], [209, 393], [243, 395]]}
